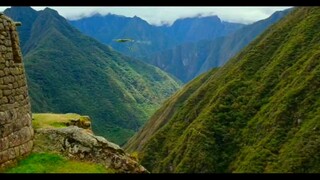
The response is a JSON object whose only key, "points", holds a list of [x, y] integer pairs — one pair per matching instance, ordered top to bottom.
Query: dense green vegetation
{"points": [[68, 72], [169, 107], [258, 113], [55, 163]]}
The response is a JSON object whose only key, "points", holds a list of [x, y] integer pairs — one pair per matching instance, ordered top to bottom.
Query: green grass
{"points": [[50, 120], [54, 163]]}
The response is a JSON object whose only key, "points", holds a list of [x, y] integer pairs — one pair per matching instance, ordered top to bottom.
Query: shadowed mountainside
{"points": [[148, 38], [189, 60]]}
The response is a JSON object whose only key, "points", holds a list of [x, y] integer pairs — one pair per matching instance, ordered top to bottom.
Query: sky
{"points": [[167, 15]]}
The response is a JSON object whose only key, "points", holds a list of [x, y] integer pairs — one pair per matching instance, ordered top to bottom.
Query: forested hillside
{"points": [[258, 113]]}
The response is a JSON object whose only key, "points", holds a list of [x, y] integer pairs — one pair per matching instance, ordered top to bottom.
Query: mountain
{"points": [[107, 28], [200, 28], [149, 38], [189, 60], [70, 72], [258, 113]]}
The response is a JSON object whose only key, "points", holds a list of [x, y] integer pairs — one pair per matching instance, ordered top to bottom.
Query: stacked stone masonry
{"points": [[16, 132]]}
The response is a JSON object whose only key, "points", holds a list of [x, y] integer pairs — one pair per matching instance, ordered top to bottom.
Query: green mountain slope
{"points": [[70, 72], [258, 113]]}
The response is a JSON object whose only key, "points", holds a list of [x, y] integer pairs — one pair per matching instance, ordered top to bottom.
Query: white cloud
{"points": [[160, 15]]}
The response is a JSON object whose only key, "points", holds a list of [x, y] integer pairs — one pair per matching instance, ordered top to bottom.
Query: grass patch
{"points": [[49, 120], [54, 163]]}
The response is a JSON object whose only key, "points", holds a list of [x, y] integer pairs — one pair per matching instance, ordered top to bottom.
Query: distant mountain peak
{"points": [[21, 9], [49, 10], [199, 17], [136, 18]]}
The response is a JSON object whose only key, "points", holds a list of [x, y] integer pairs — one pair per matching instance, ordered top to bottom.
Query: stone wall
{"points": [[16, 132]]}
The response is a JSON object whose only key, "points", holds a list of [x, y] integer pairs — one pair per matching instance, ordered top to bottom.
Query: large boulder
{"points": [[82, 122], [78, 143]]}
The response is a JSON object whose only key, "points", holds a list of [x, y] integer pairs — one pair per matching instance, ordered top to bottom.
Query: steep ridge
{"points": [[188, 60], [70, 72], [257, 113]]}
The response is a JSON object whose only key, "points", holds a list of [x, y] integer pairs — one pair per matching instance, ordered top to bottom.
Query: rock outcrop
{"points": [[82, 122], [16, 132], [77, 143]]}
